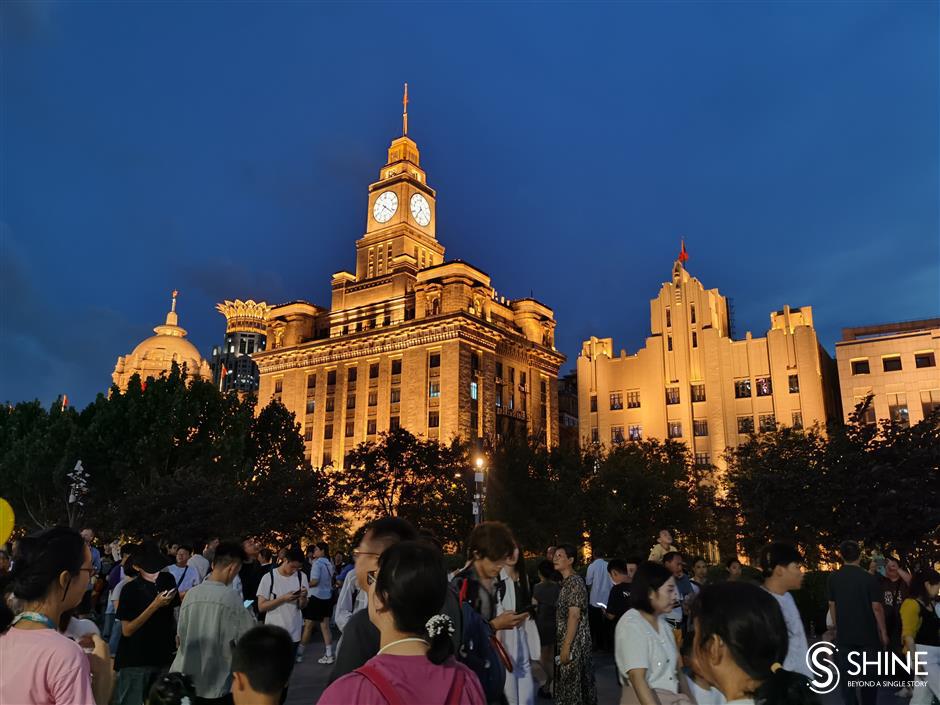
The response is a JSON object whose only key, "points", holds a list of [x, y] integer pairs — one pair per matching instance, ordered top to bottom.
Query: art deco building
{"points": [[411, 339], [156, 355], [894, 362], [233, 366], [694, 383]]}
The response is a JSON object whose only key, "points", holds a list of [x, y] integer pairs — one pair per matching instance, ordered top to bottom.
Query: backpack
{"points": [[271, 595], [479, 647]]}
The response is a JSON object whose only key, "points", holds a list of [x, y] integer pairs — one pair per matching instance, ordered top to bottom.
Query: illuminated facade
{"points": [[245, 334], [410, 339], [156, 355], [894, 362], [693, 383]]}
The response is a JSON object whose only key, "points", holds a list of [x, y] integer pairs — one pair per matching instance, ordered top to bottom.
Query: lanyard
{"points": [[35, 617]]}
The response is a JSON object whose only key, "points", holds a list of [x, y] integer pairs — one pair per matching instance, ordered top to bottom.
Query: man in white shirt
{"points": [[782, 565], [185, 575], [598, 584], [282, 594], [351, 599]]}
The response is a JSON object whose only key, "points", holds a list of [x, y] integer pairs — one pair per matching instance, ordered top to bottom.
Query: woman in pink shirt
{"points": [[415, 663], [40, 666]]}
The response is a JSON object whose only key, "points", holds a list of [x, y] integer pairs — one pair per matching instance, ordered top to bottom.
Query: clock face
{"points": [[385, 206], [420, 210]]}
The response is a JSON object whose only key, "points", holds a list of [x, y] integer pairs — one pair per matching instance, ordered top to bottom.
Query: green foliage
{"points": [[172, 460]]}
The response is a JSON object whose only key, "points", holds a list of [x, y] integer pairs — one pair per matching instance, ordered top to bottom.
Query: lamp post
{"points": [[479, 497]]}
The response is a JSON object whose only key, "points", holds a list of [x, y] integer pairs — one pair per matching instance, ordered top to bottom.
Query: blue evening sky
{"points": [[224, 149]]}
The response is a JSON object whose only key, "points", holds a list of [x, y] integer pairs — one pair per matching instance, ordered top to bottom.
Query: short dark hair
{"points": [[390, 530], [491, 539], [323, 546], [185, 547], [128, 549], [570, 551], [850, 551], [227, 553], [265, 553], [775, 554], [293, 555], [669, 555], [733, 559], [618, 565], [547, 570], [649, 578], [919, 583], [265, 654], [170, 689]]}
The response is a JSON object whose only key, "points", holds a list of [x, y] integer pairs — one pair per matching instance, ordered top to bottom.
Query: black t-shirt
{"points": [[250, 574], [854, 589], [618, 601], [361, 641], [155, 642]]}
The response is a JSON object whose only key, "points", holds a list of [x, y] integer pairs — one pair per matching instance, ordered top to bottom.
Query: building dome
{"points": [[155, 355]]}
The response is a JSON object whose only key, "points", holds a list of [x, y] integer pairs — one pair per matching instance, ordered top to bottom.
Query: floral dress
{"points": [[575, 683]]}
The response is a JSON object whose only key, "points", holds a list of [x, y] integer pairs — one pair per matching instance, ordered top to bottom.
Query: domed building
{"points": [[156, 355]]}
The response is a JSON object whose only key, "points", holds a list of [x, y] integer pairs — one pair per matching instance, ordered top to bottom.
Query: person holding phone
{"points": [[282, 595], [515, 596], [148, 629]]}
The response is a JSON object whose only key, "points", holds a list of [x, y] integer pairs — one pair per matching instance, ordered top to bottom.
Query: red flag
{"points": [[683, 255], [222, 376]]}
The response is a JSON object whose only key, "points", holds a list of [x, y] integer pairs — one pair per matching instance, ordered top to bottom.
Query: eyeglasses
{"points": [[356, 553]]}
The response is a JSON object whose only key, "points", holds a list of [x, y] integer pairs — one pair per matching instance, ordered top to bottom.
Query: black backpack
{"points": [[271, 595]]}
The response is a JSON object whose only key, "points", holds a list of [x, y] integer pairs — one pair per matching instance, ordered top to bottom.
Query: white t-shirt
{"points": [[201, 564], [186, 577], [598, 582], [116, 592], [346, 606], [287, 615], [78, 628], [638, 645], [798, 646], [712, 696]]}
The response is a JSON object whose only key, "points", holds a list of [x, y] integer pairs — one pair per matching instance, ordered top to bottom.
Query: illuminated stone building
{"points": [[245, 334], [411, 339], [156, 355], [894, 362], [694, 383]]}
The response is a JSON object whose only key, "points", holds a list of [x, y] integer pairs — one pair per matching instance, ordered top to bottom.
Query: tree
{"points": [[423, 481]]}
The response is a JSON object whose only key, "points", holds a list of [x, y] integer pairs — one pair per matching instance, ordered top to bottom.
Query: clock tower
{"points": [[401, 219]]}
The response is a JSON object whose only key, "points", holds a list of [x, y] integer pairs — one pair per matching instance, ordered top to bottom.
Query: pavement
{"points": [[309, 680]]}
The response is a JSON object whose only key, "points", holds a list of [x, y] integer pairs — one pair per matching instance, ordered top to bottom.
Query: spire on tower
{"points": [[404, 114], [173, 304]]}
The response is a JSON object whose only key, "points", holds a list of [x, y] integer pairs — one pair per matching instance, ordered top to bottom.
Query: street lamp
{"points": [[479, 497]]}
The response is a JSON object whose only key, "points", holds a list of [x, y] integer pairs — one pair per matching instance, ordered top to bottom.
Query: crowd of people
{"points": [[225, 622]]}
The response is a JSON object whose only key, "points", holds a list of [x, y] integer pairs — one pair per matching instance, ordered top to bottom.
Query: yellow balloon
{"points": [[6, 520]]}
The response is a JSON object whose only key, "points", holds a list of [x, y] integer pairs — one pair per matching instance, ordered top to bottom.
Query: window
{"points": [[692, 313], [668, 319], [694, 339], [669, 342], [924, 359], [434, 360], [891, 364], [396, 366], [860, 367], [374, 370], [499, 372], [351, 374], [331, 378], [311, 381], [794, 384], [278, 386], [764, 387], [742, 389], [434, 390], [474, 391], [698, 392], [672, 395], [395, 397], [373, 398], [633, 400], [351, 401], [616, 401], [930, 401], [593, 402], [329, 403], [311, 406], [898, 411], [868, 418], [434, 419], [797, 420], [768, 422], [394, 423], [745, 424], [370, 427], [350, 428], [700, 428], [674, 429], [328, 432], [635, 432], [308, 434], [616, 434], [595, 435], [327, 458], [702, 459]]}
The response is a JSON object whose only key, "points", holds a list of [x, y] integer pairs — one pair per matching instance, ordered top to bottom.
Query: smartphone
{"points": [[168, 593], [247, 604], [530, 610]]}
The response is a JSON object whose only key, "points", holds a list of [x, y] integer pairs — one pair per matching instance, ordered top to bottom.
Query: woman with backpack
{"points": [[415, 663]]}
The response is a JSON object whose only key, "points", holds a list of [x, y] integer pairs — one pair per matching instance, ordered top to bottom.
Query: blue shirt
{"points": [[321, 571]]}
